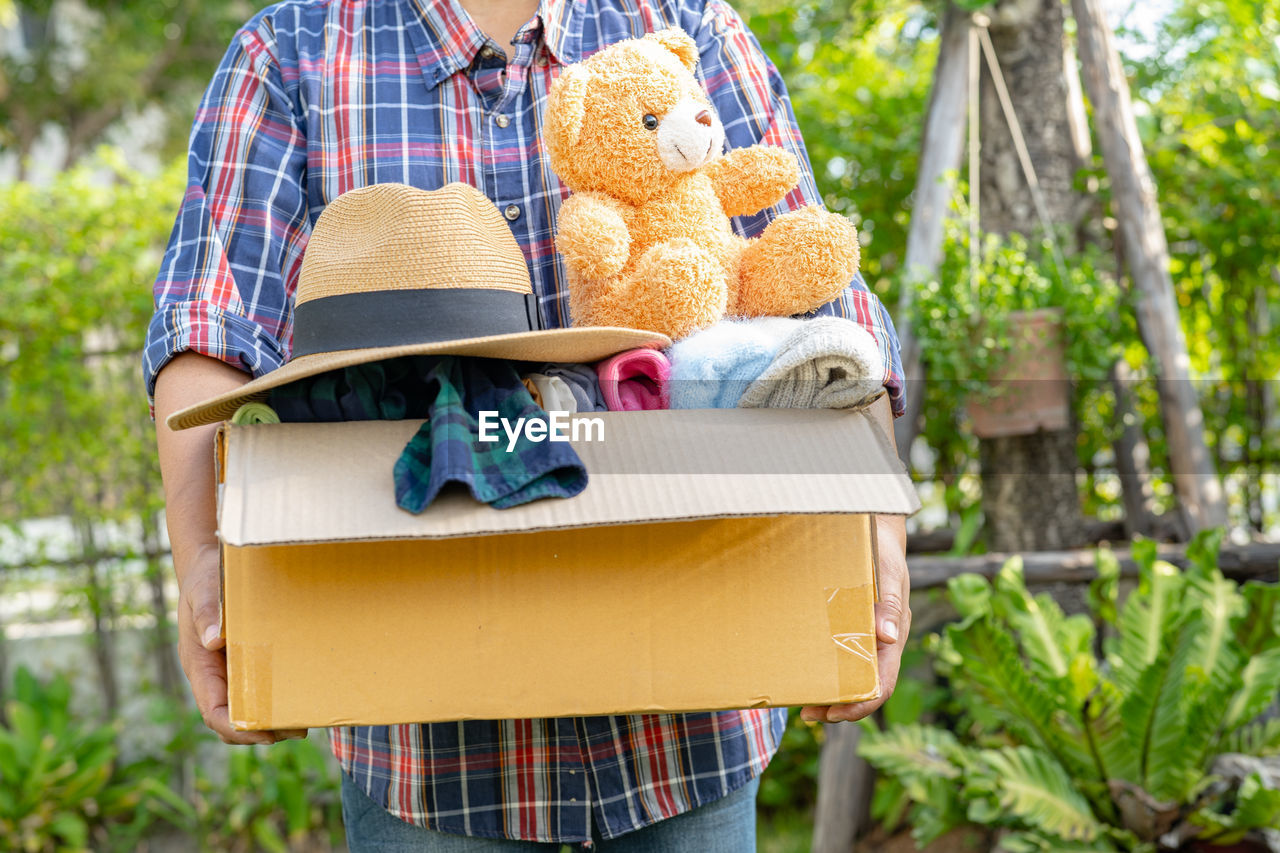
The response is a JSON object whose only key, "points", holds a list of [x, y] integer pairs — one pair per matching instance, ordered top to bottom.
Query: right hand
{"points": [[187, 465], [201, 650]]}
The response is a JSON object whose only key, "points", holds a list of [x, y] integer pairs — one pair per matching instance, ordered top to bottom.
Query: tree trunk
{"points": [[940, 155], [1147, 252], [1133, 457], [1030, 499], [98, 597], [162, 637], [845, 783]]}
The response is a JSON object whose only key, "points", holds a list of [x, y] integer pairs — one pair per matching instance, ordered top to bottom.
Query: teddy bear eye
{"points": [[650, 121]]}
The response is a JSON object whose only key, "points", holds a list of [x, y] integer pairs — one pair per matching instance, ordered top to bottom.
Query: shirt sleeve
{"points": [[752, 102], [228, 274]]}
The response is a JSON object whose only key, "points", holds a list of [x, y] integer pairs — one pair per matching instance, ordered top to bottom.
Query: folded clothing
{"points": [[825, 363], [712, 368], [635, 381], [527, 382], [583, 383], [394, 389], [449, 392], [552, 393]]}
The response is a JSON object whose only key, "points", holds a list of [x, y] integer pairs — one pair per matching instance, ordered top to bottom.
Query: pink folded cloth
{"points": [[635, 381]]}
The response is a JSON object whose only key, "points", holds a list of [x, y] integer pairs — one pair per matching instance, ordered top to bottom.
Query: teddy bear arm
{"points": [[748, 180], [592, 236]]}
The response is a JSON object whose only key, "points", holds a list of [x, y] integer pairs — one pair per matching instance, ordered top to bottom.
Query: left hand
{"points": [[893, 623]]}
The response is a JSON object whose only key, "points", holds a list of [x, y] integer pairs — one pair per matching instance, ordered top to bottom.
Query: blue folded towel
{"points": [[712, 368]]}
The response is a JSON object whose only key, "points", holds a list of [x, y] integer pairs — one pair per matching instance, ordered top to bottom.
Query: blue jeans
{"points": [[726, 826]]}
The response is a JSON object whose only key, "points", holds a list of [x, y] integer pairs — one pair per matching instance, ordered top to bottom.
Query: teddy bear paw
{"points": [[801, 262]]}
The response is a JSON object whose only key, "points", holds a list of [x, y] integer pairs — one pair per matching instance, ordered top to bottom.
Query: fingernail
{"points": [[890, 629], [210, 635]]}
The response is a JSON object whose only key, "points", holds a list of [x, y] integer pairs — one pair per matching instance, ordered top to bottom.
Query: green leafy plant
{"points": [[962, 321], [966, 327], [1130, 749], [64, 785], [276, 798]]}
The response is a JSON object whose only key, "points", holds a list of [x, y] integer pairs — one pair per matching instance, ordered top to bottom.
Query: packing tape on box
{"points": [[855, 650], [250, 665]]}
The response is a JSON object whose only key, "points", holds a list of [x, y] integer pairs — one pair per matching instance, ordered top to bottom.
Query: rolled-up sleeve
{"points": [[752, 101], [228, 274]]}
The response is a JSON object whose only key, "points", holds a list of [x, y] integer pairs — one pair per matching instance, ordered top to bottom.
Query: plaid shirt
{"points": [[317, 97]]}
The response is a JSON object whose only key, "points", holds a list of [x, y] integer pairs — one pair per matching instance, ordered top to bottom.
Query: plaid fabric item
{"points": [[316, 97], [393, 389], [449, 393], [447, 448]]}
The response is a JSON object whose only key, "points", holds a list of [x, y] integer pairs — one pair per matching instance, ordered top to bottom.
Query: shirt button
{"points": [[488, 53], [502, 120], [512, 212], [573, 772]]}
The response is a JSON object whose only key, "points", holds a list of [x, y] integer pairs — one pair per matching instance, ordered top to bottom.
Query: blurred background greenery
{"points": [[96, 98]]}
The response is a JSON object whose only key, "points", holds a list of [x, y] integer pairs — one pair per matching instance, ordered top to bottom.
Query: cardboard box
{"points": [[717, 559]]}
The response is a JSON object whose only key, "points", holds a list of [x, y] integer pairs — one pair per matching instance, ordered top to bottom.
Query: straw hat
{"points": [[391, 270]]}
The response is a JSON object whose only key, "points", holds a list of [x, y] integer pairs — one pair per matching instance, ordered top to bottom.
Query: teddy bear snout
{"points": [[689, 136]]}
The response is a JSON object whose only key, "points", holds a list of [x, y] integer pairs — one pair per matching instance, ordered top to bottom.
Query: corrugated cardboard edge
{"points": [[730, 466], [220, 479]]}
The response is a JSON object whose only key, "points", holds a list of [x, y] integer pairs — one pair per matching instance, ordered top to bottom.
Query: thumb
{"points": [[204, 597], [893, 616], [889, 620]]}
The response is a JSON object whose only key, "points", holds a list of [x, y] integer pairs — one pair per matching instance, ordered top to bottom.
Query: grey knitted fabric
{"points": [[826, 363]]}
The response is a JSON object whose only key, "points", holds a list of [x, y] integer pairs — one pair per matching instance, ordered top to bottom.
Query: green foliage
{"points": [[82, 67], [1207, 97], [864, 155], [73, 279], [962, 320], [963, 323], [1068, 750], [790, 782], [64, 786], [274, 798]]}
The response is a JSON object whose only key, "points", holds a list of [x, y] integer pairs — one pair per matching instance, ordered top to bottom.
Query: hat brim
{"points": [[576, 345]]}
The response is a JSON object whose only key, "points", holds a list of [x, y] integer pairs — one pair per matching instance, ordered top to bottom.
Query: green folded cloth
{"points": [[255, 413]]}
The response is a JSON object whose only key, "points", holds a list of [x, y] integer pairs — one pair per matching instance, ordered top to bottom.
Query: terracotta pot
{"points": [[1031, 392]]}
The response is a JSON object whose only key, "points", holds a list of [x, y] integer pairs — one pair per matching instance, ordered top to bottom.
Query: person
{"points": [[316, 97]]}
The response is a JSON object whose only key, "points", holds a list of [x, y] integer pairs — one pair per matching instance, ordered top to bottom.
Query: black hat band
{"points": [[389, 318]]}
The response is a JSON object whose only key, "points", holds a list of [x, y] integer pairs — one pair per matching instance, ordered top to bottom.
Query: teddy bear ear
{"points": [[678, 42], [569, 100]]}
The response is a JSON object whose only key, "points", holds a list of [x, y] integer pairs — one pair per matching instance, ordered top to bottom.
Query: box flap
{"points": [[332, 482]]}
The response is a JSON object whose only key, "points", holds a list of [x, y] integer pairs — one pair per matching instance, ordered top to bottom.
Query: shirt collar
{"points": [[562, 28], [443, 35], [447, 41]]}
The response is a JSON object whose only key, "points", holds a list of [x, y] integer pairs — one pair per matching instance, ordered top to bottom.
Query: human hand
{"points": [[893, 624], [201, 649]]}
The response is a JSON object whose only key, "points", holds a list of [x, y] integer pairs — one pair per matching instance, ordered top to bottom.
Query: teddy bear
{"points": [[645, 233]]}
